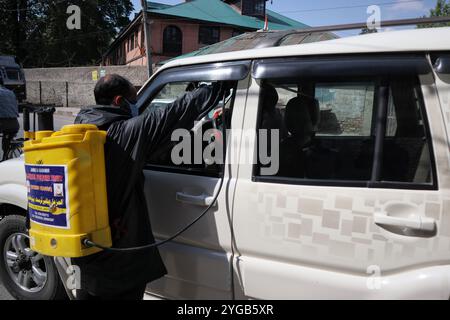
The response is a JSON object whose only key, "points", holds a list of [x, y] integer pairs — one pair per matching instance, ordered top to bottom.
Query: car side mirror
{"points": [[442, 64]]}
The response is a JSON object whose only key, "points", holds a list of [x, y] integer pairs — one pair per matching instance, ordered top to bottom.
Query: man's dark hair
{"points": [[110, 86]]}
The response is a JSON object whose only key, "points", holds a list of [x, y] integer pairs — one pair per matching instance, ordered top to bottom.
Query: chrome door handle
{"points": [[203, 200], [416, 223]]}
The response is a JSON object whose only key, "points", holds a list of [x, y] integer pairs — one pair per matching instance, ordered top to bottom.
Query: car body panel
{"points": [[424, 40], [12, 183], [331, 229], [199, 260], [302, 282]]}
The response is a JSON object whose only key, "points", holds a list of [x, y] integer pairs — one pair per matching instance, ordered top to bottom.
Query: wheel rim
{"points": [[14, 153], [28, 269]]}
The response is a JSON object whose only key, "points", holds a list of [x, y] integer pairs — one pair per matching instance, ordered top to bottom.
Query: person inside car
{"points": [[302, 155]]}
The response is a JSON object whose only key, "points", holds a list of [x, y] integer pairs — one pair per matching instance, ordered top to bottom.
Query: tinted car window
{"points": [[327, 130], [203, 140]]}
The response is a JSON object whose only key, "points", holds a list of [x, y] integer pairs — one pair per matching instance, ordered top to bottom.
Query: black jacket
{"points": [[128, 144]]}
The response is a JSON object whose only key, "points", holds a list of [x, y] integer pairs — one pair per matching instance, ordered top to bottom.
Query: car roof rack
{"points": [[383, 24]]}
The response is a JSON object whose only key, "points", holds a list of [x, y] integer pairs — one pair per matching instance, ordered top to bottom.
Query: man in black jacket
{"points": [[124, 275]]}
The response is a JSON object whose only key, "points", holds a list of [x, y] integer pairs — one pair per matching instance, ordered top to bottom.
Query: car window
{"points": [[169, 93], [345, 109], [327, 131], [405, 147], [198, 150]]}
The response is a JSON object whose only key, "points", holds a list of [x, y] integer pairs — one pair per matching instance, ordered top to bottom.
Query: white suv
{"points": [[359, 206]]}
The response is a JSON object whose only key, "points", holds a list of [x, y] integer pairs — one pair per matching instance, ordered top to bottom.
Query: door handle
{"points": [[202, 200], [415, 223]]}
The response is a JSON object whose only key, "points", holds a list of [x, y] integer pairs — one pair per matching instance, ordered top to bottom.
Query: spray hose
{"points": [[89, 243]]}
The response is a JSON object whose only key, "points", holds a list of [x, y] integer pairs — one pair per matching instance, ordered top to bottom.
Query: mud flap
{"points": [[68, 275]]}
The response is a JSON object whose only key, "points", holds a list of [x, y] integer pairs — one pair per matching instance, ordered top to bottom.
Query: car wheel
{"points": [[26, 274]]}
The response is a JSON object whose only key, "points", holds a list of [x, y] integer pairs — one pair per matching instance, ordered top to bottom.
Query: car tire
{"points": [[37, 277]]}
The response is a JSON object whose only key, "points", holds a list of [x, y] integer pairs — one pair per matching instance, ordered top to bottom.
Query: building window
{"points": [[254, 7], [236, 32], [208, 35], [172, 41], [131, 43]]}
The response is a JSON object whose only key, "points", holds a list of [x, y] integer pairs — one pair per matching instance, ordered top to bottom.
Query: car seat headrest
{"points": [[269, 97], [314, 112], [298, 117]]}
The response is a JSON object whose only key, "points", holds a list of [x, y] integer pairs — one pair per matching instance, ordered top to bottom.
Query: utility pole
{"points": [[147, 35]]}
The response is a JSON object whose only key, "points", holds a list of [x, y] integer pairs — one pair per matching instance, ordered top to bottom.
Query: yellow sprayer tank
{"points": [[67, 200]]}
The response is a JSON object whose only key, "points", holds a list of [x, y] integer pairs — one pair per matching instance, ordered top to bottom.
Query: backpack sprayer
{"points": [[66, 183], [67, 197]]}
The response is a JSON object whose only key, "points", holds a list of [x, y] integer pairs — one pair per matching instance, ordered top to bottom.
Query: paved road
{"points": [[59, 121], [4, 295]]}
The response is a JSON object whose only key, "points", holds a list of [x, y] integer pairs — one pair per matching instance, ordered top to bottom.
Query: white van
{"points": [[359, 207]]}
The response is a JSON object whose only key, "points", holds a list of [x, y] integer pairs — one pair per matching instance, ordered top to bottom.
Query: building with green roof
{"points": [[191, 25]]}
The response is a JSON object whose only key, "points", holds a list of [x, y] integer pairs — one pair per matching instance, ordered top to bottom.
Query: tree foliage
{"points": [[442, 9], [366, 30], [35, 31]]}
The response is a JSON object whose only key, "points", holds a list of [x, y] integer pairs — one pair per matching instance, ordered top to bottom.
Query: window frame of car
{"points": [[441, 62], [441, 65], [377, 66], [208, 72]]}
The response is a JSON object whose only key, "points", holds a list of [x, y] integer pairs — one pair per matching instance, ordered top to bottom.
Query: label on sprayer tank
{"points": [[47, 195]]}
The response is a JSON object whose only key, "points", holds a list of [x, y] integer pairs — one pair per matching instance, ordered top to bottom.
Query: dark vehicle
{"points": [[13, 76]]}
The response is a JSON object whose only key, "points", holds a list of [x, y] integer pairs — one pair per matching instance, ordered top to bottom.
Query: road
{"points": [[59, 121]]}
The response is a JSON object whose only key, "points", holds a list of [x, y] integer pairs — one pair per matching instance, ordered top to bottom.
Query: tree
{"points": [[442, 9], [366, 30], [35, 31]]}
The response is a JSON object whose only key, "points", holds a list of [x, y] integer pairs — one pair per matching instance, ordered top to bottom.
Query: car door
{"points": [[441, 64], [359, 207], [198, 261]]}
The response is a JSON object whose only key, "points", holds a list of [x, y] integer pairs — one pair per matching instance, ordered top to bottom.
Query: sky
{"points": [[330, 12]]}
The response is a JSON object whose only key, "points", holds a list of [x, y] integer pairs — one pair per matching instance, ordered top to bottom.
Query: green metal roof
{"points": [[157, 5], [217, 11]]}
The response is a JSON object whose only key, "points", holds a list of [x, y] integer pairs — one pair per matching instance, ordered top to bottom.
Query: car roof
{"points": [[258, 40], [417, 40], [8, 61]]}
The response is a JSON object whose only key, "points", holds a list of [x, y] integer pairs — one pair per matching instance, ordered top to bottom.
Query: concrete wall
{"points": [[73, 87]]}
